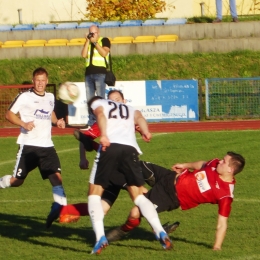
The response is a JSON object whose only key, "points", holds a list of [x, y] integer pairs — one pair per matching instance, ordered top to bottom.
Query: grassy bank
{"points": [[139, 67]]}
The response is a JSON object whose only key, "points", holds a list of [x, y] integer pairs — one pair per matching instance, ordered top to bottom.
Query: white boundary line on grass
{"points": [[138, 138], [73, 149], [62, 151], [7, 162], [247, 200], [37, 201], [251, 257]]}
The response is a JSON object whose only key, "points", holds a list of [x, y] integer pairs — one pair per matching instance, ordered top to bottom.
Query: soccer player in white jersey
{"points": [[85, 137], [36, 149], [119, 151]]}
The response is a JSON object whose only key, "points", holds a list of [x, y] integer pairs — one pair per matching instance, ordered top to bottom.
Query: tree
{"points": [[119, 10]]}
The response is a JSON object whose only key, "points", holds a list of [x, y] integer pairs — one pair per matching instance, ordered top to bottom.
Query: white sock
{"points": [[5, 181], [59, 195], [148, 211], [96, 215]]}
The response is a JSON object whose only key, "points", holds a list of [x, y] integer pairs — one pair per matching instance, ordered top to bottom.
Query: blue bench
{"points": [[175, 21], [153, 22], [131, 23], [87, 24], [110, 24], [49, 26], [67, 26], [6, 27], [22, 27]]}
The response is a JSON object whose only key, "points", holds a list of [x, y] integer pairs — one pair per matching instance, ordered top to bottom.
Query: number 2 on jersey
{"points": [[123, 110]]}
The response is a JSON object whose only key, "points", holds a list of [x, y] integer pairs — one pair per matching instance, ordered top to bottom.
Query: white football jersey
{"points": [[36, 108], [120, 122]]}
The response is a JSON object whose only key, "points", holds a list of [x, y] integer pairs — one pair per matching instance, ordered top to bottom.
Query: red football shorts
{"points": [[93, 131]]}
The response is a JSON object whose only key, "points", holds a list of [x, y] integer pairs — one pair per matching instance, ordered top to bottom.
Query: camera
{"points": [[90, 35]]}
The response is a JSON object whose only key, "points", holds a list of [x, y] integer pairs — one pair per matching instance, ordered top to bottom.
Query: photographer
{"points": [[95, 50]]}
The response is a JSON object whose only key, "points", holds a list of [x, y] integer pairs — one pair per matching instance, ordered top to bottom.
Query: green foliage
{"points": [[115, 10], [225, 18], [200, 19], [139, 67], [23, 210]]}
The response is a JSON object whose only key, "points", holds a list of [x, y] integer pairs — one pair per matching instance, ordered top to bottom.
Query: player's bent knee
{"points": [[55, 179], [16, 182], [105, 206], [135, 213]]}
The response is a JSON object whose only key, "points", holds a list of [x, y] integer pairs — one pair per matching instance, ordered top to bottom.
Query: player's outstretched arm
{"points": [[143, 126], [180, 167], [220, 232]]}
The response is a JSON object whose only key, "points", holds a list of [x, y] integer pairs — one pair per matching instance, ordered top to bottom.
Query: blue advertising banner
{"points": [[171, 100]]}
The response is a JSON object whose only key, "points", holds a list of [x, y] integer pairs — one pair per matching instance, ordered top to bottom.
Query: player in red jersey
{"points": [[194, 183]]}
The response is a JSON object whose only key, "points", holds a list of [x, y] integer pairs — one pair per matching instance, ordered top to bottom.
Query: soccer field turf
{"points": [[23, 210]]}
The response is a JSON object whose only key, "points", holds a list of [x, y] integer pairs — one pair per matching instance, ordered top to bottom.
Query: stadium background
{"points": [[66, 10]]}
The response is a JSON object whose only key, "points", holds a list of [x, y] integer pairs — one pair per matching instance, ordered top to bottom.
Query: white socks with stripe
{"points": [[59, 195], [148, 211], [96, 215]]}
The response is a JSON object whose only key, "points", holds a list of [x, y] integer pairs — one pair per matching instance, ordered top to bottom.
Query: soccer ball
{"points": [[68, 92]]}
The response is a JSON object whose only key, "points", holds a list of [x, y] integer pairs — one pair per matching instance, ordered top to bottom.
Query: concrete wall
{"points": [[206, 37], [181, 47]]}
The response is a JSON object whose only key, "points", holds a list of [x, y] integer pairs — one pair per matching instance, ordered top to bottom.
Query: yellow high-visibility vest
{"points": [[97, 59]]}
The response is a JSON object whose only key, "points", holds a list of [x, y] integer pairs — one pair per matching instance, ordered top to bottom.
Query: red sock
{"points": [[80, 209], [130, 224]]}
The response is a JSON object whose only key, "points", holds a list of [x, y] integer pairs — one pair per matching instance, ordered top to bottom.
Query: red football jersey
{"points": [[205, 186]]}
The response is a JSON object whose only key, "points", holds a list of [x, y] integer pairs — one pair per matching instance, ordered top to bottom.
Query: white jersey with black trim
{"points": [[36, 108], [120, 122]]}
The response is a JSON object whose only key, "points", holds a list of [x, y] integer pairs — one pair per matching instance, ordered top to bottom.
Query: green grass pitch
{"points": [[23, 210]]}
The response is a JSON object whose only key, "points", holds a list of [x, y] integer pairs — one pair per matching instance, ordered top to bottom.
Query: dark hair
{"points": [[40, 71], [115, 91], [92, 100], [237, 161]]}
